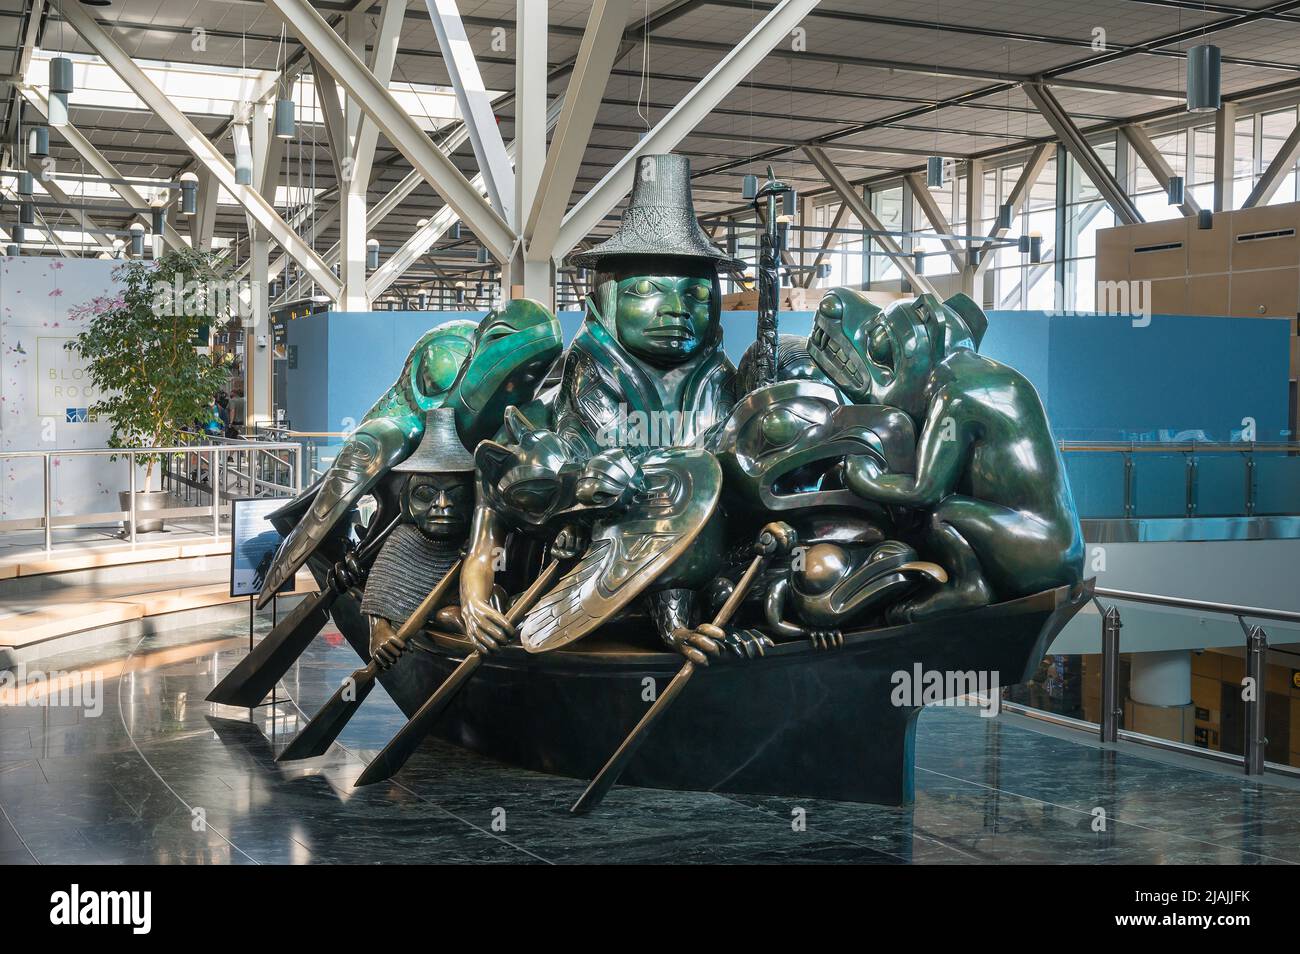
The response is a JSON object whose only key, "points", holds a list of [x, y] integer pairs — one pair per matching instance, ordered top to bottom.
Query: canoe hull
{"points": [[798, 722]]}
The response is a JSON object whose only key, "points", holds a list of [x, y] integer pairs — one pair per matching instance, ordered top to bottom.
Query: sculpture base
{"points": [[798, 722]]}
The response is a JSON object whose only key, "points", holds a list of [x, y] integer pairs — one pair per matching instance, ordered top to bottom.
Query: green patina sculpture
{"points": [[476, 370], [645, 374], [989, 481], [437, 501]]}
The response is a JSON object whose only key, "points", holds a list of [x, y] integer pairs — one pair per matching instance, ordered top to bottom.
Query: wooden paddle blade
{"points": [[249, 682], [319, 734], [400, 748], [607, 776]]}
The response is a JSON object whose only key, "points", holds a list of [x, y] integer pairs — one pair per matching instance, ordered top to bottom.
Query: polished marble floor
{"points": [[159, 775]]}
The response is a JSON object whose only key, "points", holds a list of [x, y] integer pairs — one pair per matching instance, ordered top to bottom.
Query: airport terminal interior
{"points": [[649, 431]]}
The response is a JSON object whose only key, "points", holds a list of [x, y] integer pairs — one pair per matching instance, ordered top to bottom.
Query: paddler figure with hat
{"points": [[437, 502]]}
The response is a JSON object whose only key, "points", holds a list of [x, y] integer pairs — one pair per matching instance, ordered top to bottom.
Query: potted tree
{"points": [[141, 351]]}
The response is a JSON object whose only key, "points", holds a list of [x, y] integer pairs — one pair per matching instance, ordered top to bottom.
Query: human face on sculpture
{"points": [[666, 308], [439, 505]]}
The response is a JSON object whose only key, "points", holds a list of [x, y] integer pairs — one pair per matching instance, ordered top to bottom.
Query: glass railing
{"points": [[1168, 479], [1215, 680]]}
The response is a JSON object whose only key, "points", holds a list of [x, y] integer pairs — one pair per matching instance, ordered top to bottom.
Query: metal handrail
{"points": [[1193, 447], [216, 454], [1210, 606], [1253, 762]]}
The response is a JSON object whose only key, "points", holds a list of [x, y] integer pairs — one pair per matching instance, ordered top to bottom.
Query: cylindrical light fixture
{"points": [[1204, 69], [60, 75], [285, 110], [56, 112], [38, 142], [243, 154], [934, 172], [26, 184], [749, 187], [1176, 190], [189, 193], [790, 204], [26, 213], [1005, 215], [157, 219], [1205, 219], [454, 231], [19, 234], [137, 240], [1022, 244], [1035, 248], [12, 250], [372, 253], [482, 255], [918, 261], [460, 296], [423, 299]]}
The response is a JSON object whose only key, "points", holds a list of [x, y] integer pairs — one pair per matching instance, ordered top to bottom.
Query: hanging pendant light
{"points": [[1204, 69], [61, 75], [61, 86], [285, 112], [56, 113], [38, 142], [243, 154], [934, 172], [26, 183], [1176, 190], [189, 193], [26, 213], [1005, 215], [157, 219], [1205, 219], [454, 231], [19, 234], [137, 240], [1035, 248], [13, 250], [372, 253], [482, 255]]}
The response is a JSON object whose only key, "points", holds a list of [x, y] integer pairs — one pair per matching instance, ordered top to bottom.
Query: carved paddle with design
{"points": [[248, 683], [319, 734], [394, 755], [609, 774]]}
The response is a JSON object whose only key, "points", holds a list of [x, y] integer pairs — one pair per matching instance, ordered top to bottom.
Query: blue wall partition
{"points": [[1100, 378]]}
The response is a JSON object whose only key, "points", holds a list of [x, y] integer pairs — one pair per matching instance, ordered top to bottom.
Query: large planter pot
{"points": [[145, 501]]}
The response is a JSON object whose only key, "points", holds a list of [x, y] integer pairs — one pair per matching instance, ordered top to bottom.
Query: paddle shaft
{"points": [[253, 677], [319, 734], [394, 755], [609, 774]]}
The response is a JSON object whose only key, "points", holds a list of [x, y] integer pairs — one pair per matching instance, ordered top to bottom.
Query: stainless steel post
{"points": [[130, 465], [214, 480], [48, 507], [1256, 662], [1110, 711]]}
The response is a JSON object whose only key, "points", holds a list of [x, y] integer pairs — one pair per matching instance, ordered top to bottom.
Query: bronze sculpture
{"points": [[437, 501], [911, 502]]}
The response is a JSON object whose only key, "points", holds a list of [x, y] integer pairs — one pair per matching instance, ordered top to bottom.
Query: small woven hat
{"points": [[659, 220], [440, 450]]}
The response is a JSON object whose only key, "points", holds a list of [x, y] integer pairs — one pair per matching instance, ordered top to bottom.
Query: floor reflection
{"points": [[159, 775]]}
